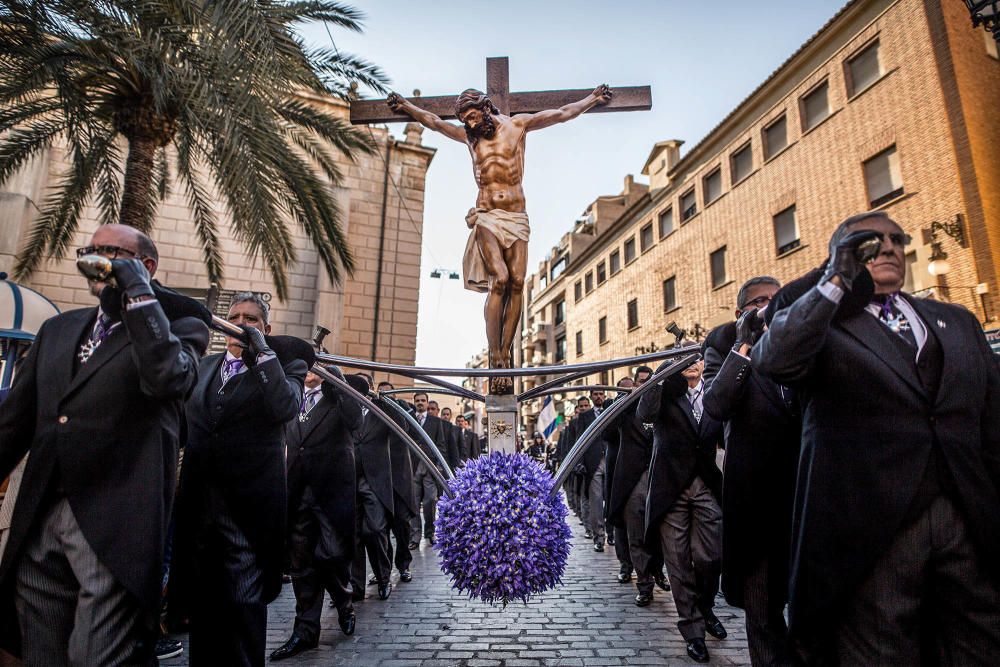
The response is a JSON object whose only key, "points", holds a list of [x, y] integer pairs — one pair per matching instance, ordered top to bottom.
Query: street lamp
{"points": [[987, 14], [939, 265]]}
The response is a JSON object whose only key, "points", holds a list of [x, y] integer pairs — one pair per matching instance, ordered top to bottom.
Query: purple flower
{"points": [[500, 536]]}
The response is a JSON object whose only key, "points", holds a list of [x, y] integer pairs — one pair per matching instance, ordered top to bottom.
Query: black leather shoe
{"points": [[589, 535], [611, 540], [430, 541], [413, 546], [598, 547], [405, 576], [624, 577], [372, 580], [662, 583], [384, 591], [356, 597], [643, 599], [348, 620], [713, 626], [292, 647], [697, 650]]}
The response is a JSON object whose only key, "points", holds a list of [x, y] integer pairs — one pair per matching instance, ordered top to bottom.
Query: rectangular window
{"points": [[863, 70], [815, 106], [775, 138], [741, 163], [883, 177], [712, 186], [689, 205], [666, 222], [786, 231], [646, 238], [629, 250], [718, 259], [615, 262], [558, 268], [602, 273], [543, 281], [588, 282], [577, 290], [669, 293], [559, 312], [633, 314], [602, 330], [579, 343], [560, 349]]}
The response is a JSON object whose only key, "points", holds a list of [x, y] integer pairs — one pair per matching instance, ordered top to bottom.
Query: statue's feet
{"points": [[501, 385]]}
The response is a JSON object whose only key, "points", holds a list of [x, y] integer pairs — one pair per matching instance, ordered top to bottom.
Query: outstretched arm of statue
{"points": [[431, 121], [536, 121]]}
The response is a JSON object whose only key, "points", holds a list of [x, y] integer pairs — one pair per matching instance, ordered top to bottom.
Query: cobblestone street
{"points": [[589, 620]]}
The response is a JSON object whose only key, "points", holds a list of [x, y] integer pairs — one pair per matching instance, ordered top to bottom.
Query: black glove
{"points": [[849, 255], [132, 278], [749, 328], [255, 346], [330, 390], [580, 469]]}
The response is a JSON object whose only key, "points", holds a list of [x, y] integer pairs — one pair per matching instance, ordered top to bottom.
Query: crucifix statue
{"points": [[493, 126]]}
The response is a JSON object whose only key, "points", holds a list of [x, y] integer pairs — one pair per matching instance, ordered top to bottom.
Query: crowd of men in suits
{"points": [[861, 492]]}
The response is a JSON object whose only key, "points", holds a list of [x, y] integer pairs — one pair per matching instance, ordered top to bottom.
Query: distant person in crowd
{"points": [[425, 489], [404, 505]]}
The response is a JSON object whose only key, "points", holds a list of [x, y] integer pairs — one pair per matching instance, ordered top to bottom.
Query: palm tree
{"points": [[215, 91]]}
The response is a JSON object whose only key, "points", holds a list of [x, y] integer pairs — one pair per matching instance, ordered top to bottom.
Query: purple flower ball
{"points": [[502, 535]]}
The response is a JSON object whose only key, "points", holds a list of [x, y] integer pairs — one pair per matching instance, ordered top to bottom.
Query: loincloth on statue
{"points": [[506, 226]]}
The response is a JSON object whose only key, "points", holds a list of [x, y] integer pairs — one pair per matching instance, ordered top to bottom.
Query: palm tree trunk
{"points": [[137, 194]]}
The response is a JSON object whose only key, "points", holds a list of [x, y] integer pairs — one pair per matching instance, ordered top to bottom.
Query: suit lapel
{"points": [[936, 322], [869, 332], [106, 351], [65, 355], [685, 406], [316, 415]]}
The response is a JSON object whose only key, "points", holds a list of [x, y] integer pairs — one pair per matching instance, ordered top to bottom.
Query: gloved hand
{"points": [[849, 255], [132, 278], [749, 328], [255, 346], [330, 390], [580, 469]]}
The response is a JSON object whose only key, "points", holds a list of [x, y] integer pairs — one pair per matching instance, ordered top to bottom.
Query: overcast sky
{"points": [[700, 58]]}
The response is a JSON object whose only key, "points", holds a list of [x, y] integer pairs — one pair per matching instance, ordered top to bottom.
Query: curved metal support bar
{"points": [[589, 367], [555, 382], [588, 387], [417, 390], [458, 390], [606, 417], [388, 421], [414, 424]]}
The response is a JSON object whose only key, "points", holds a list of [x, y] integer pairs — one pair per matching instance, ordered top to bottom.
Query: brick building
{"points": [[890, 106], [382, 199]]}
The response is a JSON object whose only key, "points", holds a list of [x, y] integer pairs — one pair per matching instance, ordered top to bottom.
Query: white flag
{"points": [[547, 418]]}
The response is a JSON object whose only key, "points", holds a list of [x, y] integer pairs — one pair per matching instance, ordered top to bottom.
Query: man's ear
{"points": [[150, 265], [267, 329]]}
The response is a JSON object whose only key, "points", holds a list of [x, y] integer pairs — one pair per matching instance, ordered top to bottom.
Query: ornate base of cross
{"points": [[502, 422]]}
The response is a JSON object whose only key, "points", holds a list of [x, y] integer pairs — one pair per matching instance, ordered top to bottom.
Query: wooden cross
{"points": [[634, 98]]}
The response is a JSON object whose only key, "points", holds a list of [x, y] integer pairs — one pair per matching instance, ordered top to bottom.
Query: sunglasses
{"points": [[897, 238], [109, 251], [758, 303]]}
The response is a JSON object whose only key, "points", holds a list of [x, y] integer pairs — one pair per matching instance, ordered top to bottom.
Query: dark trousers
{"points": [[426, 493], [593, 504], [399, 528], [372, 536], [691, 538], [622, 548], [645, 558], [320, 560], [765, 592], [927, 601], [70, 608], [229, 616]]}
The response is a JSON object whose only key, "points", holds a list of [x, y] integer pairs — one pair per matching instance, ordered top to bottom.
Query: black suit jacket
{"points": [[762, 429], [868, 431], [439, 432], [108, 433], [469, 444], [237, 447], [371, 448], [683, 448], [595, 452], [634, 453], [321, 455]]}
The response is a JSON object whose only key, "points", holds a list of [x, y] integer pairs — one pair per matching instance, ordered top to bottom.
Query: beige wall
{"points": [[348, 309]]}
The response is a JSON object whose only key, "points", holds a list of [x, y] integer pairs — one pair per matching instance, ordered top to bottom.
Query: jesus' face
{"points": [[478, 124]]}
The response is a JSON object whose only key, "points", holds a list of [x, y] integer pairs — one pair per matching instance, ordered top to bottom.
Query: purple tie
{"points": [[231, 368]]}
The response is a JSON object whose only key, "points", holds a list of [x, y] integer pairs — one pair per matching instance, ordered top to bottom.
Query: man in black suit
{"points": [[98, 402], [762, 429], [453, 431], [468, 443], [453, 454], [594, 469], [575, 482], [425, 488], [375, 501], [627, 501], [404, 505], [231, 507], [682, 508], [321, 509], [896, 530], [617, 536]]}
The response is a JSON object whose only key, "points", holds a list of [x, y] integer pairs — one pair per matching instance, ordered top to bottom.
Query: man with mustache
{"points": [[497, 252], [896, 529]]}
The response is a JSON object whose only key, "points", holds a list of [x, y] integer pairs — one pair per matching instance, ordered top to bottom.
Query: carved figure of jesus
{"points": [[496, 255]]}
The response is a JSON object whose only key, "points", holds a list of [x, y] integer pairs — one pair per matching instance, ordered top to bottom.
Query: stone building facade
{"points": [[890, 106], [372, 314]]}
